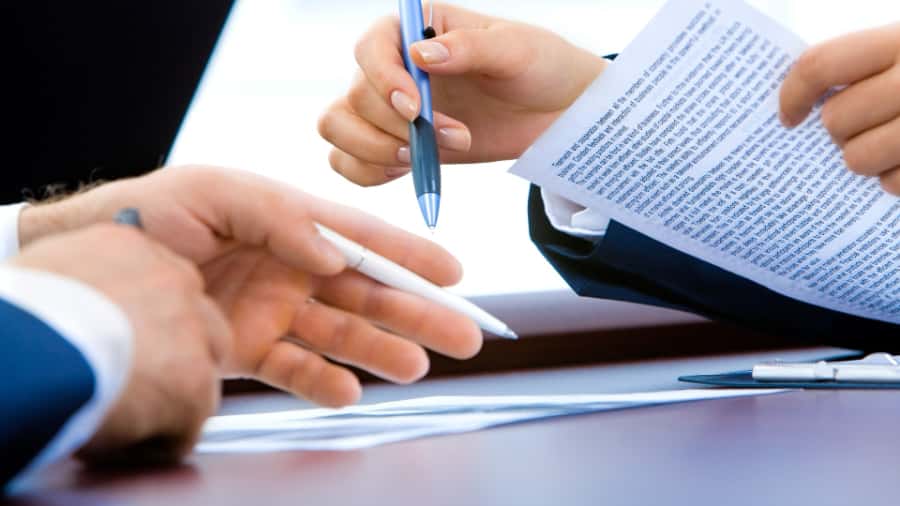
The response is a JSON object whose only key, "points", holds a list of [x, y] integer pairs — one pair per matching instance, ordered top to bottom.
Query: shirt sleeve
{"points": [[573, 219], [9, 230], [95, 326]]}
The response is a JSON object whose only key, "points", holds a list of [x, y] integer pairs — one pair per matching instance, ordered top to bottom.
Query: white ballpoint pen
{"points": [[383, 270]]}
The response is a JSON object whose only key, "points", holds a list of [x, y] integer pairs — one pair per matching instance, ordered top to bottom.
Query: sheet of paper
{"points": [[679, 139], [371, 425]]}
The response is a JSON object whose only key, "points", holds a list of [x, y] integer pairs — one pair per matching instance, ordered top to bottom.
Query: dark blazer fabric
{"points": [[96, 90], [628, 266], [45, 381]]}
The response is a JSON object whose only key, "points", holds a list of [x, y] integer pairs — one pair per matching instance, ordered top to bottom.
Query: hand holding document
{"points": [[680, 140]]}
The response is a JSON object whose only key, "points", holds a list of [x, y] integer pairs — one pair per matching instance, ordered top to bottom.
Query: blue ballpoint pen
{"points": [[423, 149]]}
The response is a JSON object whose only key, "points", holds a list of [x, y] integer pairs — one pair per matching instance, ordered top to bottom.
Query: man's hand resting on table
{"points": [[265, 266], [180, 337]]}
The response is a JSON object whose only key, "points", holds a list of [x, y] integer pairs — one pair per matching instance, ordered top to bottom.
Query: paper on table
{"points": [[679, 139], [366, 426]]}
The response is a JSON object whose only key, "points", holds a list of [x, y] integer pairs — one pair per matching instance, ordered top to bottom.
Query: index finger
{"points": [[380, 57], [841, 61], [241, 207], [415, 253]]}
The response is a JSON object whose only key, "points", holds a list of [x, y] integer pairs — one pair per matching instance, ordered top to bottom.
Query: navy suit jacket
{"points": [[629, 266], [45, 381]]}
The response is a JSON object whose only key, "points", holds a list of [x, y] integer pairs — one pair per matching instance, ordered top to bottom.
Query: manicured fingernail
{"points": [[432, 52], [404, 105], [457, 139], [403, 155], [395, 172]]}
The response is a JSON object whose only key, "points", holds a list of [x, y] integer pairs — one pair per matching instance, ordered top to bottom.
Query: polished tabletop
{"points": [[800, 447]]}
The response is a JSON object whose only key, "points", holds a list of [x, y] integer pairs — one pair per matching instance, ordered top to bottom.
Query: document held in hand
{"points": [[679, 139]]}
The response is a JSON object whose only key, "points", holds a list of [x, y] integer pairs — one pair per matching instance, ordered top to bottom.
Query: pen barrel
{"points": [[412, 28], [426, 163], [388, 273], [391, 274]]}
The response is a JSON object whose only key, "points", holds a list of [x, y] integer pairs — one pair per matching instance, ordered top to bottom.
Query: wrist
{"points": [[40, 220]]}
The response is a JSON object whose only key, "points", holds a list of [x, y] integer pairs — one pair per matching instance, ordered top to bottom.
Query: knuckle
{"points": [[359, 50], [809, 66], [380, 78], [358, 94], [831, 121], [325, 125], [334, 160], [856, 160], [353, 170], [200, 174], [891, 184], [374, 299], [339, 335], [305, 375], [200, 384]]}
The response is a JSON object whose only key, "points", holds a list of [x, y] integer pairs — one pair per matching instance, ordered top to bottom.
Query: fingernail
{"points": [[432, 52], [404, 105], [457, 139], [403, 155], [395, 172]]}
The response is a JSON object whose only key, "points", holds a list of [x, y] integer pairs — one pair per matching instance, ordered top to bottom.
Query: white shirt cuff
{"points": [[573, 219], [9, 230], [95, 326]]}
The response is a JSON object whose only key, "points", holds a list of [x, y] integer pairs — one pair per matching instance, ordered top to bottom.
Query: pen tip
{"points": [[430, 204], [509, 334]]}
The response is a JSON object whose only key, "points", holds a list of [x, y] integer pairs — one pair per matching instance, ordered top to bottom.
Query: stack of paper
{"points": [[365, 426]]}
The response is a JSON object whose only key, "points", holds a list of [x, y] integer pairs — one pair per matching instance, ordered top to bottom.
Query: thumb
{"points": [[486, 51]]}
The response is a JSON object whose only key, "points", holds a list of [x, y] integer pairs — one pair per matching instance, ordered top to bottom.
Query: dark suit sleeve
{"points": [[629, 266], [45, 381]]}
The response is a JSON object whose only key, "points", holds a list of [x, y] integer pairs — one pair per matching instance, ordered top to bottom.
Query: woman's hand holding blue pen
{"points": [[496, 86]]}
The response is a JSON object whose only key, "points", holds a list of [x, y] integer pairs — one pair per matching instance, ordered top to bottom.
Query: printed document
{"points": [[679, 139], [366, 426]]}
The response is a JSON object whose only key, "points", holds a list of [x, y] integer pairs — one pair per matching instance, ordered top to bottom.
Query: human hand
{"points": [[496, 86], [863, 118], [267, 267], [179, 337]]}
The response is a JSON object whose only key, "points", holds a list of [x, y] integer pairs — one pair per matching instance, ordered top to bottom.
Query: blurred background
{"points": [[280, 63]]}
